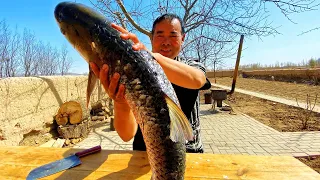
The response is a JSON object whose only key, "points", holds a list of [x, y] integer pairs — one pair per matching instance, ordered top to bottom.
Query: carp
{"points": [[149, 93]]}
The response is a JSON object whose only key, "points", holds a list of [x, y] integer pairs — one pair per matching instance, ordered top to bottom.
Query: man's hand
{"points": [[124, 34], [110, 85]]}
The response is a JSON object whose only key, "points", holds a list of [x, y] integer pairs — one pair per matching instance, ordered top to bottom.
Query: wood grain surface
{"points": [[17, 161]]}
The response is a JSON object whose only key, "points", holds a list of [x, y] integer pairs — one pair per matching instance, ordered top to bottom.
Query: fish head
{"points": [[83, 28], [92, 35]]}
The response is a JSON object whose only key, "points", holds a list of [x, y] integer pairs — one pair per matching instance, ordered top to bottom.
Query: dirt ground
{"points": [[291, 91], [276, 115]]}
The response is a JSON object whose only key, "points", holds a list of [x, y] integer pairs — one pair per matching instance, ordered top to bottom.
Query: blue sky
{"points": [[37, 16]]}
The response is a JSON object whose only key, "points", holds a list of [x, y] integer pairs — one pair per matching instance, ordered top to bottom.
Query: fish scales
{"points": [[149, 93], [163, 153]]}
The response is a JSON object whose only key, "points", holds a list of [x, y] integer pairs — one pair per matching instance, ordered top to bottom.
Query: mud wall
{"points": [[30, 103]]}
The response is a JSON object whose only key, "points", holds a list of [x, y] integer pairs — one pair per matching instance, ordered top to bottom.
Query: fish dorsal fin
{"points": [[180, 128]]}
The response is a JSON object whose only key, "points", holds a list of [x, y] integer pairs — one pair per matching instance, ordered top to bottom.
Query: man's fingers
{"points": [[119, 28], [125, 34], [128, 35], [134, 38], [138, 46], [95, 69], [104, 77], [113, 84], [110, 85], [120, 94]]}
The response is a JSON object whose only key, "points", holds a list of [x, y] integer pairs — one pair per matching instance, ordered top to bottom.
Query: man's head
{"points": [[167, 35]]}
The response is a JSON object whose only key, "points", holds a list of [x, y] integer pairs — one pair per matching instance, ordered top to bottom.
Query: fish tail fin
{"points": [[92, 79], [180, 128]]}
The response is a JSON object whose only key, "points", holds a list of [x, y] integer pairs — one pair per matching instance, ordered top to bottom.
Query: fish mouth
{"points": [[59, 11], [72, 13], [63, 17], [76, 27], [89, 32]]}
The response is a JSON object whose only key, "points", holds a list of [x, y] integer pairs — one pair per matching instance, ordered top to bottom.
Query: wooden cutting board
{"points": [[16, 162]]}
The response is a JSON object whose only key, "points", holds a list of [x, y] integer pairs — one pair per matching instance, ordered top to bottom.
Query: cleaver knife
{"points": [[62, 164]]}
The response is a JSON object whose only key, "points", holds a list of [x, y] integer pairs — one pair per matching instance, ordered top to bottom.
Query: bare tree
{"points": [[117, 12], [209, 23], [4, 46], [9, 48], [209, 51], [28, 53], [25, 55], [40, 57], [48, 58], [13, 62], [65, 62], [305, 115]]}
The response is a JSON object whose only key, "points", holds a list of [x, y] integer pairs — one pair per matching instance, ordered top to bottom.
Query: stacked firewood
{"points": [[101, 111], [75, 123]]}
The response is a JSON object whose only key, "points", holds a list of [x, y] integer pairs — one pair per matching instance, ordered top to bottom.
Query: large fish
{"points": [[150, 95]]}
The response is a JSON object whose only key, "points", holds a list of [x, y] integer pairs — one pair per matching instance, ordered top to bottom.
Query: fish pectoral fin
{"points": [[92, 79], [180, 128]]}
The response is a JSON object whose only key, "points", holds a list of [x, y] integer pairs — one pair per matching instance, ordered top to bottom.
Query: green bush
{"points": [[312, 63]]}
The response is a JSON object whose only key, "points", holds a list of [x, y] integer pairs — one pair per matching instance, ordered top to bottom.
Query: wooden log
{"points": [[96, 105], [69, 112], [102, 113], [98, 118], [61, 120], [74, 130]]}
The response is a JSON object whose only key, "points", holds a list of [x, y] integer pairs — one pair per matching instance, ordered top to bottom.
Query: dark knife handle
{"points": [[88, 151]]}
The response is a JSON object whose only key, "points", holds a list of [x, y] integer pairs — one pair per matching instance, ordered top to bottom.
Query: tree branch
{"points": [[118, 14], [139, 28], [309, 31]]}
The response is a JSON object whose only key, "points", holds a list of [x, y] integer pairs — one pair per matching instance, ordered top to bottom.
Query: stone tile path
{"points": [[225, 133]]}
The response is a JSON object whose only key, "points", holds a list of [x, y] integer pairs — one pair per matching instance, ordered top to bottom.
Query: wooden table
{"points": [[16, 162]]}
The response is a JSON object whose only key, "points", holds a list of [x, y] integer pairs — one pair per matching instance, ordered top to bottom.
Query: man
{"points": [[187, 77]]}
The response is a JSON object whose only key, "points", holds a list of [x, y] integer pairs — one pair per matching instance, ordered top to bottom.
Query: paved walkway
{"points": [[224, 133]]}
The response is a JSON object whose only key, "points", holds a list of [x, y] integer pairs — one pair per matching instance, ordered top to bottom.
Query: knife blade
{"points": [[62, 164]]}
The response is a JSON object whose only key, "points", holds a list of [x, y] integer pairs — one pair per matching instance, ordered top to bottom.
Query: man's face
{"points": [[167, 38]]}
